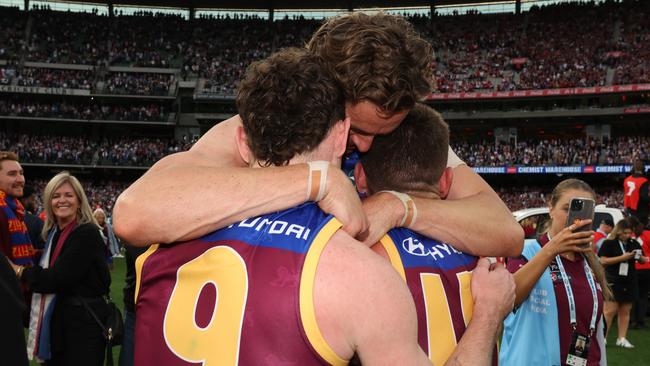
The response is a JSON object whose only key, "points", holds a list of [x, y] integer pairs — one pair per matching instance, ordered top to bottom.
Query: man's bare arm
{"points": [[189, 194], [472, 218], [364, 307]]}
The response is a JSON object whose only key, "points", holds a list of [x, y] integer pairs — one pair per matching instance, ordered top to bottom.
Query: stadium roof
{"points": [[290, 4]]}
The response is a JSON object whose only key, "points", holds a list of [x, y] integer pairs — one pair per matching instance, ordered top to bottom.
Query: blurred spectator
{"points": [[7, 73], [33, 222]]}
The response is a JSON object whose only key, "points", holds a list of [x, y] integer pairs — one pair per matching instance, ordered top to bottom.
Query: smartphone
{"points": [[581, 209]]}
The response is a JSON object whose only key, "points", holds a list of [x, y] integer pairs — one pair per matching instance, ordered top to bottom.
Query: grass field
{"points": [[616, 356]]}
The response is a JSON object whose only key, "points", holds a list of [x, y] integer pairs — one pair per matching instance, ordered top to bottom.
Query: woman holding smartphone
{"points": [[618, 254], [559, 294]]}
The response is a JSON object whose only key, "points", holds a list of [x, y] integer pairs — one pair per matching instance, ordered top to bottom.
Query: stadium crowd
{"points": [[12, 23], [509, 52], [633, 63], [55, 78], [114, 83], [139, 84], [68, 109], [123, 151], [146, 151], [557, 151], [103, 194], [530, 197]]}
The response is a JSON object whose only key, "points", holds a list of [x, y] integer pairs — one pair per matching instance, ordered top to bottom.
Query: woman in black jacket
{"points": [[618, 254], [74, 273]]}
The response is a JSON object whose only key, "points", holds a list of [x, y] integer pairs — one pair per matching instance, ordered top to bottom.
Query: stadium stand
{"points": [[475, 52], [151, 68], [55, 78], [73, 109], [122, 151], [146, 151], [539, 152], [104, 193], [536, 196]]}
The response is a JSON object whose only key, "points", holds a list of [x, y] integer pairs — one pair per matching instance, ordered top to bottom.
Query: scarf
{"points": [[20, 244], [40, 317]]}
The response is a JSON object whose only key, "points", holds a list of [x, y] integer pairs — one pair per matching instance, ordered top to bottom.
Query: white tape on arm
{"points": [[317, 180], [410, 210]]}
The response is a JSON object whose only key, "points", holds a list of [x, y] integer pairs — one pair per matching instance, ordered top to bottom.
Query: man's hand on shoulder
{"points": [[342, 200], [384, 212], [493, 290]]}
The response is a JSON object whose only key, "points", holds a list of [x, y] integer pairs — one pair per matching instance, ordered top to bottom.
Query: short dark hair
{"points": [[378, 57], [288, 103], [412, 157]]}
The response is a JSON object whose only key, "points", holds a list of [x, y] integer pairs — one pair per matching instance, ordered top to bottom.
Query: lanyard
{"points": [[622, 247], [569, 294]]}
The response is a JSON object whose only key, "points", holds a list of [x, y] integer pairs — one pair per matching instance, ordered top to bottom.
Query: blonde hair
{"points": [[84, 212], [590, 256]]}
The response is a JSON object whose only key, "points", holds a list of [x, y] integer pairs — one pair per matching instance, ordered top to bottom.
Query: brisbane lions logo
{"points": [[415, 247]]}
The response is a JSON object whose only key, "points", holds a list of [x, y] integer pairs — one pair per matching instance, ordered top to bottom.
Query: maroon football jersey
{"points": [[439, 278], [241, 295]]}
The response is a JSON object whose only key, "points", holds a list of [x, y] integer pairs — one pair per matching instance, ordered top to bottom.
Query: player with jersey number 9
{"points": [[218, 342]]}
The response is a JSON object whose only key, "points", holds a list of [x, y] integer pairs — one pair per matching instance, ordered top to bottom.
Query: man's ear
{"points": [[341, 131], [242, 145], [360, 179], [444, 184]]}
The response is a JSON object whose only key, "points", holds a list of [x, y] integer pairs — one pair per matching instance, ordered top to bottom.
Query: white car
{"points": [[534, 219]]}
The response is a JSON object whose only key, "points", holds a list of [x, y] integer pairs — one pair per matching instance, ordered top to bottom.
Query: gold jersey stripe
{"points": [[393, 255], [139, 263], [307, 310]]}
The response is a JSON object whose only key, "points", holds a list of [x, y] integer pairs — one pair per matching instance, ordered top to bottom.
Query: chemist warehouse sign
{"points": [[578, 169]]}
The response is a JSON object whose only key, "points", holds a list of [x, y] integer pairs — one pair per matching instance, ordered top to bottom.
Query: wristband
{"points": [[317, 180], [410, 210]]}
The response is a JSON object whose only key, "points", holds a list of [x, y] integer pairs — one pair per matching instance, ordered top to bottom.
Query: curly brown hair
{"points": [[378, 57], [288, 103], [412, 157]]}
